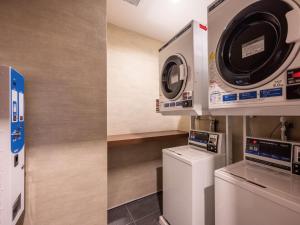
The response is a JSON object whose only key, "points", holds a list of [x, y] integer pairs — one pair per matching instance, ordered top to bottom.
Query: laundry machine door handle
{"points": [[293, 19], [182, 72]]}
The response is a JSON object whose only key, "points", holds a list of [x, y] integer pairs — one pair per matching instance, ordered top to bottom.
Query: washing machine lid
{"points": [[253, 46], [174, 76], [188, 154], [282, 184]]}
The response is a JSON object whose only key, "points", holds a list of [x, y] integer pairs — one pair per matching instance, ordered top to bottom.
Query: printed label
{"points": [[253, 47], [212, 57], [174, 78], [275, 92], [248, 95], [230, 97], [215, 98], [178, 103], [172, 104], [157, 105], [14, 106], [21, 106]]}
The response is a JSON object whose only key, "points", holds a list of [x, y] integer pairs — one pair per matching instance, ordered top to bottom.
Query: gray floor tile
{"points": [[144, 207], [119, 216], [152, 219]]}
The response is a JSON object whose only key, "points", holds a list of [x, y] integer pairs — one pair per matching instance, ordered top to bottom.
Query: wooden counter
{"points": [[141, 137]]}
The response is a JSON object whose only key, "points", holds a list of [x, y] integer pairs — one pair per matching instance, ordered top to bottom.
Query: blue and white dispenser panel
{"points": [[12, 147]]}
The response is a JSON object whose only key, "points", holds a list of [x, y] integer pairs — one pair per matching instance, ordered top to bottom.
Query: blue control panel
{"points": [[275, 92], [248, 95], [229, 98], [17, 111]]}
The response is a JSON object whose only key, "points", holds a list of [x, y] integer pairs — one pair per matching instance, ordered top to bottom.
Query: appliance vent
{"points": [[133, 2]]}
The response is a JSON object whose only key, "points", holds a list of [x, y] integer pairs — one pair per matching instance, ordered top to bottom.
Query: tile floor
{"points": [[145, 211]]}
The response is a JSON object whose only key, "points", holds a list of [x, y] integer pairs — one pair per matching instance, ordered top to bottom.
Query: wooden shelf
{"points": [[141, 137]]}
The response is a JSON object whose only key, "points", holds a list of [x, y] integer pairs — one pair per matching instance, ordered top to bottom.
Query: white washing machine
{"points": [[254, 59], [183, 73], [188, 179], [263, 189]]}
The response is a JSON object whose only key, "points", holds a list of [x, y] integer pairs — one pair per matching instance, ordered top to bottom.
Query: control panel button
{"points": [[187, 103], [296, 168]]}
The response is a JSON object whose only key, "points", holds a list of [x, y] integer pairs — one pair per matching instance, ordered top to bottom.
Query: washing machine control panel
{"points": [[208, 141], [283, 155]]}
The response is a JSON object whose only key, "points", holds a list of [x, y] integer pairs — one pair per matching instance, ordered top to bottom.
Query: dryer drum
{"points": [[253, 46], [173, 78]]}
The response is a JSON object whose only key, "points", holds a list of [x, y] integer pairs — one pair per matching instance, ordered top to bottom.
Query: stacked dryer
{"points": [[254, 63], [183, 73]]}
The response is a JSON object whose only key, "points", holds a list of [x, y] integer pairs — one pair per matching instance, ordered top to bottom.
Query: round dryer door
{"points": [[253, 46], [174, 76]]}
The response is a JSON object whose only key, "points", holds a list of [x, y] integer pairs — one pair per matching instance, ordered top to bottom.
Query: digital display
{"points": [[296, 75], [293, 76], [201, 137], [270, 149]]}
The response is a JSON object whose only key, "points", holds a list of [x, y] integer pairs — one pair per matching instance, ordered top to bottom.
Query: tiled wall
{"points": [[60, 47]]}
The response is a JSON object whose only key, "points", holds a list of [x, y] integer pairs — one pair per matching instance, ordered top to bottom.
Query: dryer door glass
{"points": [[253, 46], [173, 76]]}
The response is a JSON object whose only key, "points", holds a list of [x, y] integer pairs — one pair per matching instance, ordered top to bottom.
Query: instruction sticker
{"points": [[253, 47]]}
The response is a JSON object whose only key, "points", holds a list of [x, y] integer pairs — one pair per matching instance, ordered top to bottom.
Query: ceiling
{"points": [[159, 19]]}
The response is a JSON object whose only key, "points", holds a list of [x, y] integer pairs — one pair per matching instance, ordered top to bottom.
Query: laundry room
{"points": [[150, 112]]}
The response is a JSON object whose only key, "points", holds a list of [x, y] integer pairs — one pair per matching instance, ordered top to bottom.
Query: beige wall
{"points": [[60, 47], [133, 85], [135, 170]]}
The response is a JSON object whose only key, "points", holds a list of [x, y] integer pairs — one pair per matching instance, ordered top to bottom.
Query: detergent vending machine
{"points": [[12, 146]]}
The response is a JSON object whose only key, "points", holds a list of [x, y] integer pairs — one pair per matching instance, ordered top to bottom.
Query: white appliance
{"points": [[254, 59], [183, 73], [11, 145], [188, 179], [263, 189]]}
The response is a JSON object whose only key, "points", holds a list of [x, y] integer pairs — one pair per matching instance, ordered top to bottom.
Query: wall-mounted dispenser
{"points": [[12, 145]]}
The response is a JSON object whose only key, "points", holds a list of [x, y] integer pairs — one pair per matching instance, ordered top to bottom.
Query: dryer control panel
{"points": [[210, 141], [283, 155]]}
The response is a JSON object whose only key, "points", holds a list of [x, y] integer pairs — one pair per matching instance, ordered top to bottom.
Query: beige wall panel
{"points": [[60, 47], [133, 85], [128, 154], [135, 169], [129, 183]]}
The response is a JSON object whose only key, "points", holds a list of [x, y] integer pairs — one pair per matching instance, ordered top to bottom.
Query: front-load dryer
{"points": [[254, 59], [183, 73], [188, 179]]}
